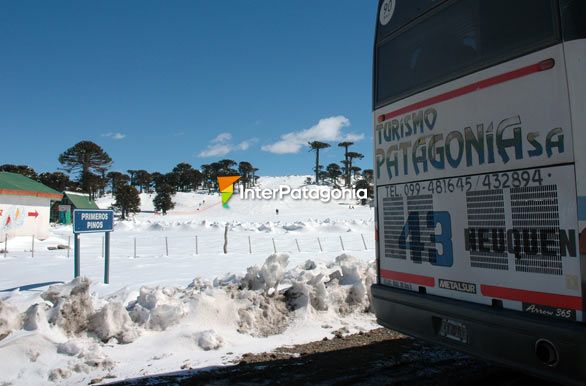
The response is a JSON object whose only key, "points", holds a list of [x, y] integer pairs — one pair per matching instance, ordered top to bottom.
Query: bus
{"points": [[479, 111]]}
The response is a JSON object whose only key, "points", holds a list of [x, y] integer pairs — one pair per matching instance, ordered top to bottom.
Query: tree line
{"points": [[85, 168], [346, 170]]}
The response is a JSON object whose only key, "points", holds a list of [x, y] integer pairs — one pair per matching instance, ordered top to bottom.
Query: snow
{"points": [[188, 307]]}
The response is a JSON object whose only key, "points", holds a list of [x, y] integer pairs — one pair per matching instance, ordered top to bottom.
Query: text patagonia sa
{"points": [[486, 143]]}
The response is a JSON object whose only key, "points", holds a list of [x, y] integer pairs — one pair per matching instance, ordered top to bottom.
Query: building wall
{"points": [[24, 216]]}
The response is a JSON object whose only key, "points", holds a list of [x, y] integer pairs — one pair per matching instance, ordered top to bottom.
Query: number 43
{"points": [[410, 238]]}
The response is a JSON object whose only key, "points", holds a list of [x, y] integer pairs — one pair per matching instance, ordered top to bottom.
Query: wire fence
{"points": [[196, 244]]}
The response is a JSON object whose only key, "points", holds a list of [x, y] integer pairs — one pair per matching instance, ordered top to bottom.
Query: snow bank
{"points": [[273, 269], [266, 300], [71, 305], [156, 308], [35, 317], [10, 319], [113, 322], [77, 325]]}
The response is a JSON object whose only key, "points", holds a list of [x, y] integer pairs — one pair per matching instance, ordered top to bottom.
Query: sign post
{"points": [[92, 221], [76, 255], [107, 258]]}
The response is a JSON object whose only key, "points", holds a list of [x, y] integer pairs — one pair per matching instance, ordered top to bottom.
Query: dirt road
{"points": [[379, 357]]}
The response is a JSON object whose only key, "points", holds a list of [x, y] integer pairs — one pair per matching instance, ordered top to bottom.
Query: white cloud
{"points": [[326, 130], [115, 136], [222, 137], [353, 137], [245, 145], [220, 146], [283, 147], [215, 151]]}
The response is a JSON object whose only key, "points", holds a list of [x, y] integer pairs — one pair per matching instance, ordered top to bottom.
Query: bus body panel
{"points": [[575, 56], [488, 102], [479, 178], [479, 203], [499, 335]]}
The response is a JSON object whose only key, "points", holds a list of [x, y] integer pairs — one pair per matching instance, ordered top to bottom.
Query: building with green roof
{"points": [[24, 206], [63, 210]]}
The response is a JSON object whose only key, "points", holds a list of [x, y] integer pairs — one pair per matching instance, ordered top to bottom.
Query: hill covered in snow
{"points": [[208, 206], [175, 299]]}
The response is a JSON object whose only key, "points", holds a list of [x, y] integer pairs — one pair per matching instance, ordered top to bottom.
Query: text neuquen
{"points": [[304, 193]]}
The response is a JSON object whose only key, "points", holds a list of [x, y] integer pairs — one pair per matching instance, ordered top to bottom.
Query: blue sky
{"points": [[156, 83]]}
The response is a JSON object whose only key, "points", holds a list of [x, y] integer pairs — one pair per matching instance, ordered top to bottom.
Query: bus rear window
{"points": [[458, 39]]}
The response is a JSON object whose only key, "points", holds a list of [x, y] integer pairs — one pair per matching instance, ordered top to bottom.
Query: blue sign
{"points": [[92, 220]]}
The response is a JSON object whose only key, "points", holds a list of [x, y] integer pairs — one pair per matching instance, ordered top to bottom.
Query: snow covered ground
{"points": [[178, 301]]}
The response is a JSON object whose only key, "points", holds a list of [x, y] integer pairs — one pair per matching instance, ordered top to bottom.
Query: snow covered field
{"points": [[181, 302]]}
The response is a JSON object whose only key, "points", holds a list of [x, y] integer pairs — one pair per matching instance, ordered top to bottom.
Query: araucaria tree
{"points": [[346, 145], [317, 146], [351, 157], [87, 158], [25, 170], [246, 170], [333, 172], [368, 175], [184, 177], [117, 179], [143, 180], [57, 181], [127, 200], [163, 201]]}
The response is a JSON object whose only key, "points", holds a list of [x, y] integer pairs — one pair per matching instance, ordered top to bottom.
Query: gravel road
{"points": [[378, 357]]}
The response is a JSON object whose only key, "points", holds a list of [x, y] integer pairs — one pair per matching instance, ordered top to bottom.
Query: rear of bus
{"points": [[480, 153]]}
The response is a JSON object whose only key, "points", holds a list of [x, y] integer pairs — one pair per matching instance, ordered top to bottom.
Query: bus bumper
{"points": [[504, 336]]}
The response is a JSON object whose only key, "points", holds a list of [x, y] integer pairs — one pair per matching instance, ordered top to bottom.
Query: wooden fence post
{"points": [[364, 242]]}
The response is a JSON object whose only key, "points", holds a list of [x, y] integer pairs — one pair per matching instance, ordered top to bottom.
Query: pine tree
{"points": [[346, 145], [317, 146], [351, 157], [86, 158], [226, 167], [245, 169], [24, 170], [355, 170], [333, 171], [132, 174], [368, 175], [254, 176], [185, 178], [117, 179], [157, 179], [57, 180], [143, 180], [94, 184], [127, 200], [163, 201]]}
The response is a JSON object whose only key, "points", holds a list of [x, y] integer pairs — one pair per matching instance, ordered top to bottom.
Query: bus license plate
{"points": [[454, 330]]}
